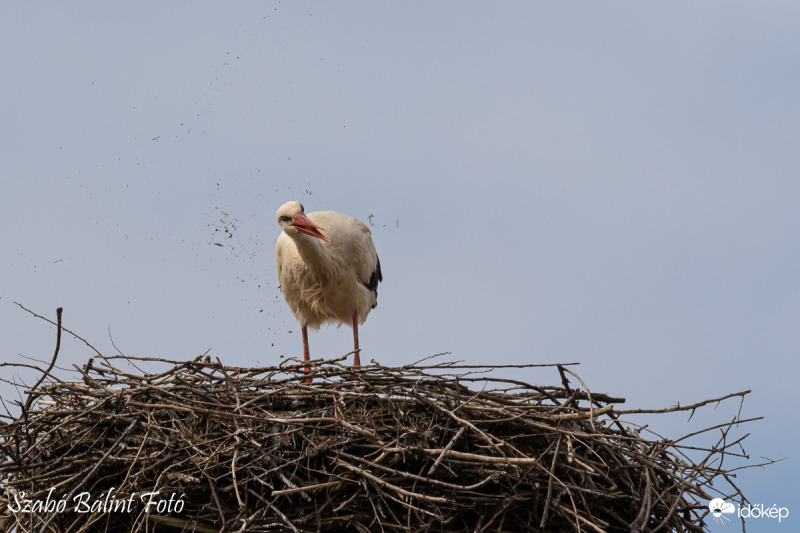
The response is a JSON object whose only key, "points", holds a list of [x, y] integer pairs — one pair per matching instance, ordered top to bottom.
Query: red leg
{"points": [[306, 355], [357, 358]]}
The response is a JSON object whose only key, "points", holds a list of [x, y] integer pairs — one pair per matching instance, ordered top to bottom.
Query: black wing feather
{"points": [[374, 279]]}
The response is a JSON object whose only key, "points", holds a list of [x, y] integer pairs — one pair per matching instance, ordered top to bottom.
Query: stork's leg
{"points": [[306, 355], [357, 358]]}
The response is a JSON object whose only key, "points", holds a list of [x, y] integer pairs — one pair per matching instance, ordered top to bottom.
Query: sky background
{"points": [[614, 184]]}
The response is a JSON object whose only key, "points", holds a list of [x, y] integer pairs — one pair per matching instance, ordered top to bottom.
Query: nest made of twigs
{"points": [[425, 447]]}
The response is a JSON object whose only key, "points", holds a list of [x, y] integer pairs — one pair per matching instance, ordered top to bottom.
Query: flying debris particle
{"points": [[218, 244]]}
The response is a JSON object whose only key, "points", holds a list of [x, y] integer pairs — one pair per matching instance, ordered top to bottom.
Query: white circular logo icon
{"points": [[718, 507]]}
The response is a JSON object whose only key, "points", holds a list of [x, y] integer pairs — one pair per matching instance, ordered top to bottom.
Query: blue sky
{"points": [[611, 184]]}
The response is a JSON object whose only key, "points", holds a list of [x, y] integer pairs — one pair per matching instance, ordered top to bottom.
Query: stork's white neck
{"points": [[314, 254]]}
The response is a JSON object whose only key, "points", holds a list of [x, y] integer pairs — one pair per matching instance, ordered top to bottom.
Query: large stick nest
{"points": [[426, 447]]}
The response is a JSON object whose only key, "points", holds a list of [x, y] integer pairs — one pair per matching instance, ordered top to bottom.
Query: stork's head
{"points": [[292, 219]]}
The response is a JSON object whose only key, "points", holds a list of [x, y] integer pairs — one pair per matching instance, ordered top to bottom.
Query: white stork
{"points": [[326, 278]]}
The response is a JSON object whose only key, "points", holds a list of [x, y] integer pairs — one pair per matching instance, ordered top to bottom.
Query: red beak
{"points": [[304, 225]]}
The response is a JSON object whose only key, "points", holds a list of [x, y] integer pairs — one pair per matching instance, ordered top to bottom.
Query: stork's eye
{"points": [[302, 209], [284, 218]]}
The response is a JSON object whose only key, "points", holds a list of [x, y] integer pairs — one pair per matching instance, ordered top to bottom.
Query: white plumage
{"points": [[328, 269]]}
